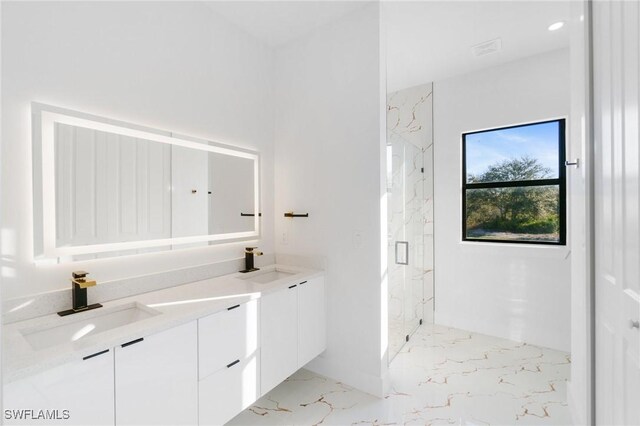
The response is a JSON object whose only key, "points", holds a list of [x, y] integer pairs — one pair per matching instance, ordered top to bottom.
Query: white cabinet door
{"points": [[312, 329], [226, 336], [278, 337], [156, 378], [83, 388], [227, 392]]}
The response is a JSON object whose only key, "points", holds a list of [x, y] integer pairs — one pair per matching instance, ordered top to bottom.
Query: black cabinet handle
{"points": [[303, 282], [292, 286], [233, 307], [133, 342], [96, 354], [233, 363]]}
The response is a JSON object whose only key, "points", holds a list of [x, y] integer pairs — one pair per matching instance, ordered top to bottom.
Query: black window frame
{"points": [[560, 181]]}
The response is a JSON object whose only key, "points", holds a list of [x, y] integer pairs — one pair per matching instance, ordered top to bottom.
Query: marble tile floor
{"points": [[443, 376]]}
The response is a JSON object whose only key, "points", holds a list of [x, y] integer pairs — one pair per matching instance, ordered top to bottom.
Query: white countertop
{"points": [[177, 305]]}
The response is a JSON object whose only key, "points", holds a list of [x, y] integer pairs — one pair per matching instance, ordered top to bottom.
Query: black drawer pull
{"points": [[303, 282], [292, 286], [233, 307], [133, 342], [96, 354], [233, 363]]}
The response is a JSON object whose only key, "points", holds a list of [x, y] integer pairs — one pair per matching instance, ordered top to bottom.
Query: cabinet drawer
{"points": [[228, 335], [156, 378], [227, 392]]}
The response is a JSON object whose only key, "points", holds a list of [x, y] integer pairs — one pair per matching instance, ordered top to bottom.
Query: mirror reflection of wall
{"points": [[189, 178], [115, 188], [96, 202], [231, 204]]}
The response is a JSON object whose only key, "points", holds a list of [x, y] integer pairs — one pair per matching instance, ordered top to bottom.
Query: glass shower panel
{"points": [[405, 188], [410, 212], [413, 224], [428, 302]]}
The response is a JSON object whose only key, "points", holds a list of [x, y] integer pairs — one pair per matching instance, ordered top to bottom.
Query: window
{"points": [[514, 184]]}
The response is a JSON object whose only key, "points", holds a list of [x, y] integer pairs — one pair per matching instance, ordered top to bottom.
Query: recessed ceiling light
{"points": [[556, 26]]}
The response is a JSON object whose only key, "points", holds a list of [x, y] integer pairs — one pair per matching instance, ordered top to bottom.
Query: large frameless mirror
{"points": [[105, 188]]}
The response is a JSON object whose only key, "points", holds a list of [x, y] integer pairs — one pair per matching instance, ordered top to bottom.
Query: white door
{"points": [[617, 208], [156, 378]]}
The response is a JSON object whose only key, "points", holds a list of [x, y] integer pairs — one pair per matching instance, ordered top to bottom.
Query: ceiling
{"points": [[279, 22], [427, 40], [431, 40]]}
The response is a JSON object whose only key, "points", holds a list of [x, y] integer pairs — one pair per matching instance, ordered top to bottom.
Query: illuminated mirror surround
{"points": [[47, 119]]}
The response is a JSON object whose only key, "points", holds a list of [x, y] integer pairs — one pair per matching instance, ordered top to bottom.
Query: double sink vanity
{"points": [[197, 353]]}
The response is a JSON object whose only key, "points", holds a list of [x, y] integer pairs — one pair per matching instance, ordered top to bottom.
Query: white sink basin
{"points": [[268, 276], [79, 326]]}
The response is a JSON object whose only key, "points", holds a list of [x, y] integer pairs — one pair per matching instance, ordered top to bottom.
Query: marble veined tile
{"points": [[410, 210], [443, 376]]}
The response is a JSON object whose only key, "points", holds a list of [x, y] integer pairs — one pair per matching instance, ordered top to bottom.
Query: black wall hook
{"points": [[292, 214]]}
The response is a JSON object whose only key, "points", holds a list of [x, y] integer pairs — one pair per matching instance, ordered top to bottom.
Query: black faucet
{"points": [[249, 253], [79, 285]]}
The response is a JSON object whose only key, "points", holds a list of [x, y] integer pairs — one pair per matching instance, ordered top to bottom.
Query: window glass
{"points": [[514, 153], [514, 184], [529, 213]]}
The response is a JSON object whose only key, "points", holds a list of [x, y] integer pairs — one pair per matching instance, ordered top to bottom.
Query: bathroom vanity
{"points": [[198, 353]]}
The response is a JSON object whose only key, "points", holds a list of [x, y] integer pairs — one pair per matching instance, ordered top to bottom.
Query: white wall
{"points": [[168, 65], [327, 149], [519, 292], [580, 387]]}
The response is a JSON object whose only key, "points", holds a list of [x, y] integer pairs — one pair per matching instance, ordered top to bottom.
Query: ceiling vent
{"points": [[487, 47]]}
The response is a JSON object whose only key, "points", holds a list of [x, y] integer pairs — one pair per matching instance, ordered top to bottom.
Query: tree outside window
{"points": [[514, 184]]}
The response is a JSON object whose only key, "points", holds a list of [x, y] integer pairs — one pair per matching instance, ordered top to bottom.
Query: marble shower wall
{"points": [[410, 204]]}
